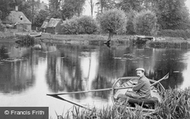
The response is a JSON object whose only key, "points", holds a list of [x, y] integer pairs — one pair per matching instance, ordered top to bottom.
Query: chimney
{"points": [[16, 8]]}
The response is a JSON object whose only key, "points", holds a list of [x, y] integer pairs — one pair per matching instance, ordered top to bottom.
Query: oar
{"points": [[163, 78], [107, 89], [97, 90], [58, 97]]}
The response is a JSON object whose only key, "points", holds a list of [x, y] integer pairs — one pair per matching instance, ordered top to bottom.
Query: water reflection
{"points": [[67, 68], [186, 74], [15, 76]]}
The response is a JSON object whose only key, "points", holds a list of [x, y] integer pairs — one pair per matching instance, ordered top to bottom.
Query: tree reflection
{"points": [[3, 52], [110, 67], [80, 68], [64, 71], [16, 76], [101, 83]]}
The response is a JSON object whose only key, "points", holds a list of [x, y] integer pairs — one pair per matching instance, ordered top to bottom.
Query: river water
{"points": [[27, 75]]}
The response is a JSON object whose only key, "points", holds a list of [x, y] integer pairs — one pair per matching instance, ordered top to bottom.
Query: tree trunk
{"points": [[92, 7], [110, 36], [109, 39]]}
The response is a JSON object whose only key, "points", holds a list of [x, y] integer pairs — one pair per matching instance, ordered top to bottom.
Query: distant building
{"points": [[20, 21], [54, 25], [44, 26]]}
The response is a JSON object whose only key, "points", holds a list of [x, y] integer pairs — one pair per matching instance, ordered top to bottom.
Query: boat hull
{"points": [[146, 103]]}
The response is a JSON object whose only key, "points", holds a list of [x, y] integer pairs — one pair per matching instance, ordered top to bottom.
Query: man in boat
{"points": [[141, 89]]}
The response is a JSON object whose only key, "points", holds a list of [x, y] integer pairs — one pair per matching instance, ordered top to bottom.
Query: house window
{"points": [[21, 17]]}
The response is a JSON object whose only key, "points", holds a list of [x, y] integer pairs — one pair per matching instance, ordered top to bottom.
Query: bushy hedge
{"points": [[113, 21], [145, 23], [79, 25], [87, 25], [69, 26], [175, 33]]}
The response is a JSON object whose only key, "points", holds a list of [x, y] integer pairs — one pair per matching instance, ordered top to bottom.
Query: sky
{"points": [[188, 4]]}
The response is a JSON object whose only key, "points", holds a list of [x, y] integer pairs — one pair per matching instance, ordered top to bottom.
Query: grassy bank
{"points": [[96, 39], [175, 105]]}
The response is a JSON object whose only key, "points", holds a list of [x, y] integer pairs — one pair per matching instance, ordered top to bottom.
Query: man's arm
{"points": [[138, 86]]}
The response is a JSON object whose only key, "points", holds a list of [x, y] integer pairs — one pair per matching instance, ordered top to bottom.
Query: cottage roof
{"points": [[18, 17], [53, 22], [45, 24]]}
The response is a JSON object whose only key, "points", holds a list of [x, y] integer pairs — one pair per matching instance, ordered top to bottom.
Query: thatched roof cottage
{"points": [[18, 19]]}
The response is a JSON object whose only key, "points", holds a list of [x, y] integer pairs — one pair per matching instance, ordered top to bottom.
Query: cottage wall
{"points": [[58, 28]]}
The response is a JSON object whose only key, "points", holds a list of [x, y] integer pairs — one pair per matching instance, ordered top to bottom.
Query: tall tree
{"points": [[54, 5], [105, 5], [128, 5], [91, 7], [4, 8], [71, 8], [172, 14], [40, 17], [112, 22]]}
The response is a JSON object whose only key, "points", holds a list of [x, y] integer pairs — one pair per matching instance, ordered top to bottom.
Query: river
{"points": [[27, 75]]}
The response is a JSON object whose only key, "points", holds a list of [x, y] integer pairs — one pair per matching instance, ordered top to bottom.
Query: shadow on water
{"points": [[68, 68]]}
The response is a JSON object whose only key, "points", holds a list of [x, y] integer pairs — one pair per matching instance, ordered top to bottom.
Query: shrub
{"points": [[113, 21], [145, 23], [79, 25], [87, 25], [70, 26], [2, 27], [175, 33]]}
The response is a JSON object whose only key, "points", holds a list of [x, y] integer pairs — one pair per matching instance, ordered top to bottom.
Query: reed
{"points": [[175, 105]]}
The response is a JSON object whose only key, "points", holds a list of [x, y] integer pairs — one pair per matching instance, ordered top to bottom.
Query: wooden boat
{"points": [[29, 34], [36, 34], [141, 40], [146, 105]]}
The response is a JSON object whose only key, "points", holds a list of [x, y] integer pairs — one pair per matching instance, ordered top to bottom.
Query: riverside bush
{"points": [[113, 21], [145, 23], [79, 25], [87, 25], [70, 26], [175, 33]]}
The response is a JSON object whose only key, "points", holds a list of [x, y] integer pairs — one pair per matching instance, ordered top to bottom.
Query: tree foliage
{"points": [[54, 5], [105, 5], [128, 5], [4, 8], [54, 8], [71, 8], [172, 14], [40, 18], [112, 21], [145, 23], [79, 25], [87, 25], [130, 25], [70, 26]]}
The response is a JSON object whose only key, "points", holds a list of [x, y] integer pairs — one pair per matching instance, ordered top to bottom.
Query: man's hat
{"points": [[140, 69]]}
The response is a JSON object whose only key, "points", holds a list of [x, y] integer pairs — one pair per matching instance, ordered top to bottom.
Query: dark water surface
{"points": [[27, 75]]}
